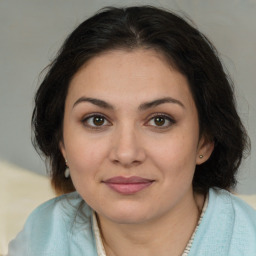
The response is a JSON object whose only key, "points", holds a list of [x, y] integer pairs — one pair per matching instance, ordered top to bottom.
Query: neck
{"points": [[165, 235]]}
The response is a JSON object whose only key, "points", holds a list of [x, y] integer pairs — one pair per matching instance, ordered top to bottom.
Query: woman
{"points": [[137, 119]]}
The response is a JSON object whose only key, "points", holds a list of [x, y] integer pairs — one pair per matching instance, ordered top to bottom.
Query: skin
{"points": [[127, 140]]}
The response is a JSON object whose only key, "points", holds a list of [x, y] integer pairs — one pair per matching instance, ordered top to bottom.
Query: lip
{"points": [[128, 185]]}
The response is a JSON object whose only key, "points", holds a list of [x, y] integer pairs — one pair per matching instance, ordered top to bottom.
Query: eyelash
{"points": [[94, 115], [152, 117], [165, 117]]}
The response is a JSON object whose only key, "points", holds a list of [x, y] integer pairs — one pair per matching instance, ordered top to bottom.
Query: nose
{"points": [[127, 148]]}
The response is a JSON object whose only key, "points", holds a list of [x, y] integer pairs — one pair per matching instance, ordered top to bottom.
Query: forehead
{"points": [[129, 75]]}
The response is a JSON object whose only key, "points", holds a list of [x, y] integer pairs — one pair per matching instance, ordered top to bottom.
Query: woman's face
{"points": [[131, 136]]}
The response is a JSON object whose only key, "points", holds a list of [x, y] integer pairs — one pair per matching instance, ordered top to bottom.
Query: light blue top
{"points": [[63, 227]]}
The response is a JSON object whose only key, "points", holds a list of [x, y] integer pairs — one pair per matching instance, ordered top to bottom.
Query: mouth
{"points": [[128, 185]]}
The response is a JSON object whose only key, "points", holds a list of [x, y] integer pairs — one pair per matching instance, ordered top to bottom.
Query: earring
{"points": [[201, 156], [67, 172]]}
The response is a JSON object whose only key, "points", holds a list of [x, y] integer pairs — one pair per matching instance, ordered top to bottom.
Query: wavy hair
{"points": [[185, 48]]}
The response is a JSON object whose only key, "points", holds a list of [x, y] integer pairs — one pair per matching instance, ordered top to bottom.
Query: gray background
{"points": [[32, 31]]}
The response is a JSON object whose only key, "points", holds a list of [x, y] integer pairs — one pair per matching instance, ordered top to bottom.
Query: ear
{"points": [[62, 149], [204, 150]]}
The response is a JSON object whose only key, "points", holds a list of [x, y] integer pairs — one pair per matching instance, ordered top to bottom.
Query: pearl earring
{"points": [[201, 156], [67, 172]]}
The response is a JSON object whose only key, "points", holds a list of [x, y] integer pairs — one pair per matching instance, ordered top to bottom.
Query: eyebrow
{"points": [[97, 102], [157, 102], [143, 106]]}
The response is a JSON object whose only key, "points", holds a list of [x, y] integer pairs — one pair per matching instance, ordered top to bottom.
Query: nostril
{"points": [[126, 150], [115, 161], [126, 164]]}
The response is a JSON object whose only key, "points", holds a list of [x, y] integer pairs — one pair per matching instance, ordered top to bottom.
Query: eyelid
{"points": [[95, 114], [163, 115], [167, 117]]}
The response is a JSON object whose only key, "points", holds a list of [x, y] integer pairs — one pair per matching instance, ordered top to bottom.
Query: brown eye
{"points": [[96, 121], [159, 121]]}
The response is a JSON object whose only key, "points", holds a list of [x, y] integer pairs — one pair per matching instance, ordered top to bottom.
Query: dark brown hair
{"points": [[188, 50]]}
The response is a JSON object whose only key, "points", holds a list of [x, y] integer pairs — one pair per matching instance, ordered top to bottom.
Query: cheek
{"points": [[85, 155], [176, 155], [84, 164]]}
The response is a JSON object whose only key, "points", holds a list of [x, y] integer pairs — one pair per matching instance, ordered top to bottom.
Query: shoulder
{"points": [[65, 207], [237, 207], [59, 212], [237, 213], [242, 221], [52, 226], [228, 227]]}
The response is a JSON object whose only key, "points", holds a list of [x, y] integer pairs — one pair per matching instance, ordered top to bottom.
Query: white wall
{"points": [[32, 31]]}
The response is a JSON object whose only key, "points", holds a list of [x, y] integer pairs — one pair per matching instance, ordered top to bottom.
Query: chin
{"points": [[129, 215], [128, 219]]}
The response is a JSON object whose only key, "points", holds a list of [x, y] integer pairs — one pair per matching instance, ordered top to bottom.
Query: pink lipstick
{"points": [[128, 186]]}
